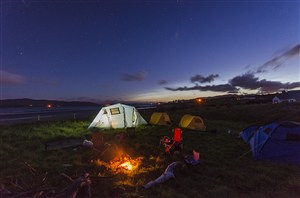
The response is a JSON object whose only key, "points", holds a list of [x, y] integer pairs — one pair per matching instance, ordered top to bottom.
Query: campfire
{"points": [[124, 164], [127, 165]]}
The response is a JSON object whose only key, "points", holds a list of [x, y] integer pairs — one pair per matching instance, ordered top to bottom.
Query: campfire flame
{"points": [[123, 164], [127, 165]]}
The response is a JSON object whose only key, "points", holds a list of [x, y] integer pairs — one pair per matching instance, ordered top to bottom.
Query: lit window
{"points": [[114, 111]]}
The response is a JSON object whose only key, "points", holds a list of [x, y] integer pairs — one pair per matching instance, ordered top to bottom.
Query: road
{"points": [[47, 116]]}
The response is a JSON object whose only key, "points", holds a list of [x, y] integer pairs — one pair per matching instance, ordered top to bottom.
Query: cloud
{"points": [[295, 51], [277, 61], [140, 76], [8, 78], [201, 79], [245, 81], [249, 81], [162, 82], [216, 88]]}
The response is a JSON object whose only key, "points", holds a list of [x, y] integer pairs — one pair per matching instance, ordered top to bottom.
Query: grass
{"points": [[227, 168]]}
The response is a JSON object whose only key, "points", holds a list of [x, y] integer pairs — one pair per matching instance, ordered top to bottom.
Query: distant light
{"points": [[199, 100], [49, 106]]}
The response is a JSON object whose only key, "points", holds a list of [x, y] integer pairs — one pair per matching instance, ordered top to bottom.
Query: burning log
{"points": [[123, 164]]}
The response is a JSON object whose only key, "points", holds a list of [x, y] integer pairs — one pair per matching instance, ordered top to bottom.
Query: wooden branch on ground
{"points": [[31, 169], [67, 176], [15, 184], [80, 185], [29, 193]]}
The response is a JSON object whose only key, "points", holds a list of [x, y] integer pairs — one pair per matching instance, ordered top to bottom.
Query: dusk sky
{"points": [[154, 51]]}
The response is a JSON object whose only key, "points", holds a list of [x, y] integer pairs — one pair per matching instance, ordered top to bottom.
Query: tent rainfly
{"points": [[117, 116], [158, 118], [192, 122]]}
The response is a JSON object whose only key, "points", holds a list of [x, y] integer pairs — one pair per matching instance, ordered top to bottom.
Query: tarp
{"points": [[118, 116], [160, 118], [192, 122], [276, 141], [63, 143]]}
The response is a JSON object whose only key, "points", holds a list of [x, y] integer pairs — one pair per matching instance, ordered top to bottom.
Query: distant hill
{"points": [[25, 102]]}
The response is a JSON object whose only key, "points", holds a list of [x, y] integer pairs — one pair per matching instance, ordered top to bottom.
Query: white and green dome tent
{"points": [[117, 116]]}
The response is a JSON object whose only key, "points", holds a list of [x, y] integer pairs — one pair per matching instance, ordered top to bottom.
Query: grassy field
{"points": [[227, 168]]}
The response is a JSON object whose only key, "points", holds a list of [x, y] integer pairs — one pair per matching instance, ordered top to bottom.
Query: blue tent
{"points": [[247, 133], [277, 141]]}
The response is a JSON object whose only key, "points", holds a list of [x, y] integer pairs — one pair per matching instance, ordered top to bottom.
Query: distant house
{"points": [[290, 96], [276, 100]]}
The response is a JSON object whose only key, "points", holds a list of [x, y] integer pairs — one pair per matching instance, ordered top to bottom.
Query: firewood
{"points": [[31, 169], [67, 176], [81, 183]]}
